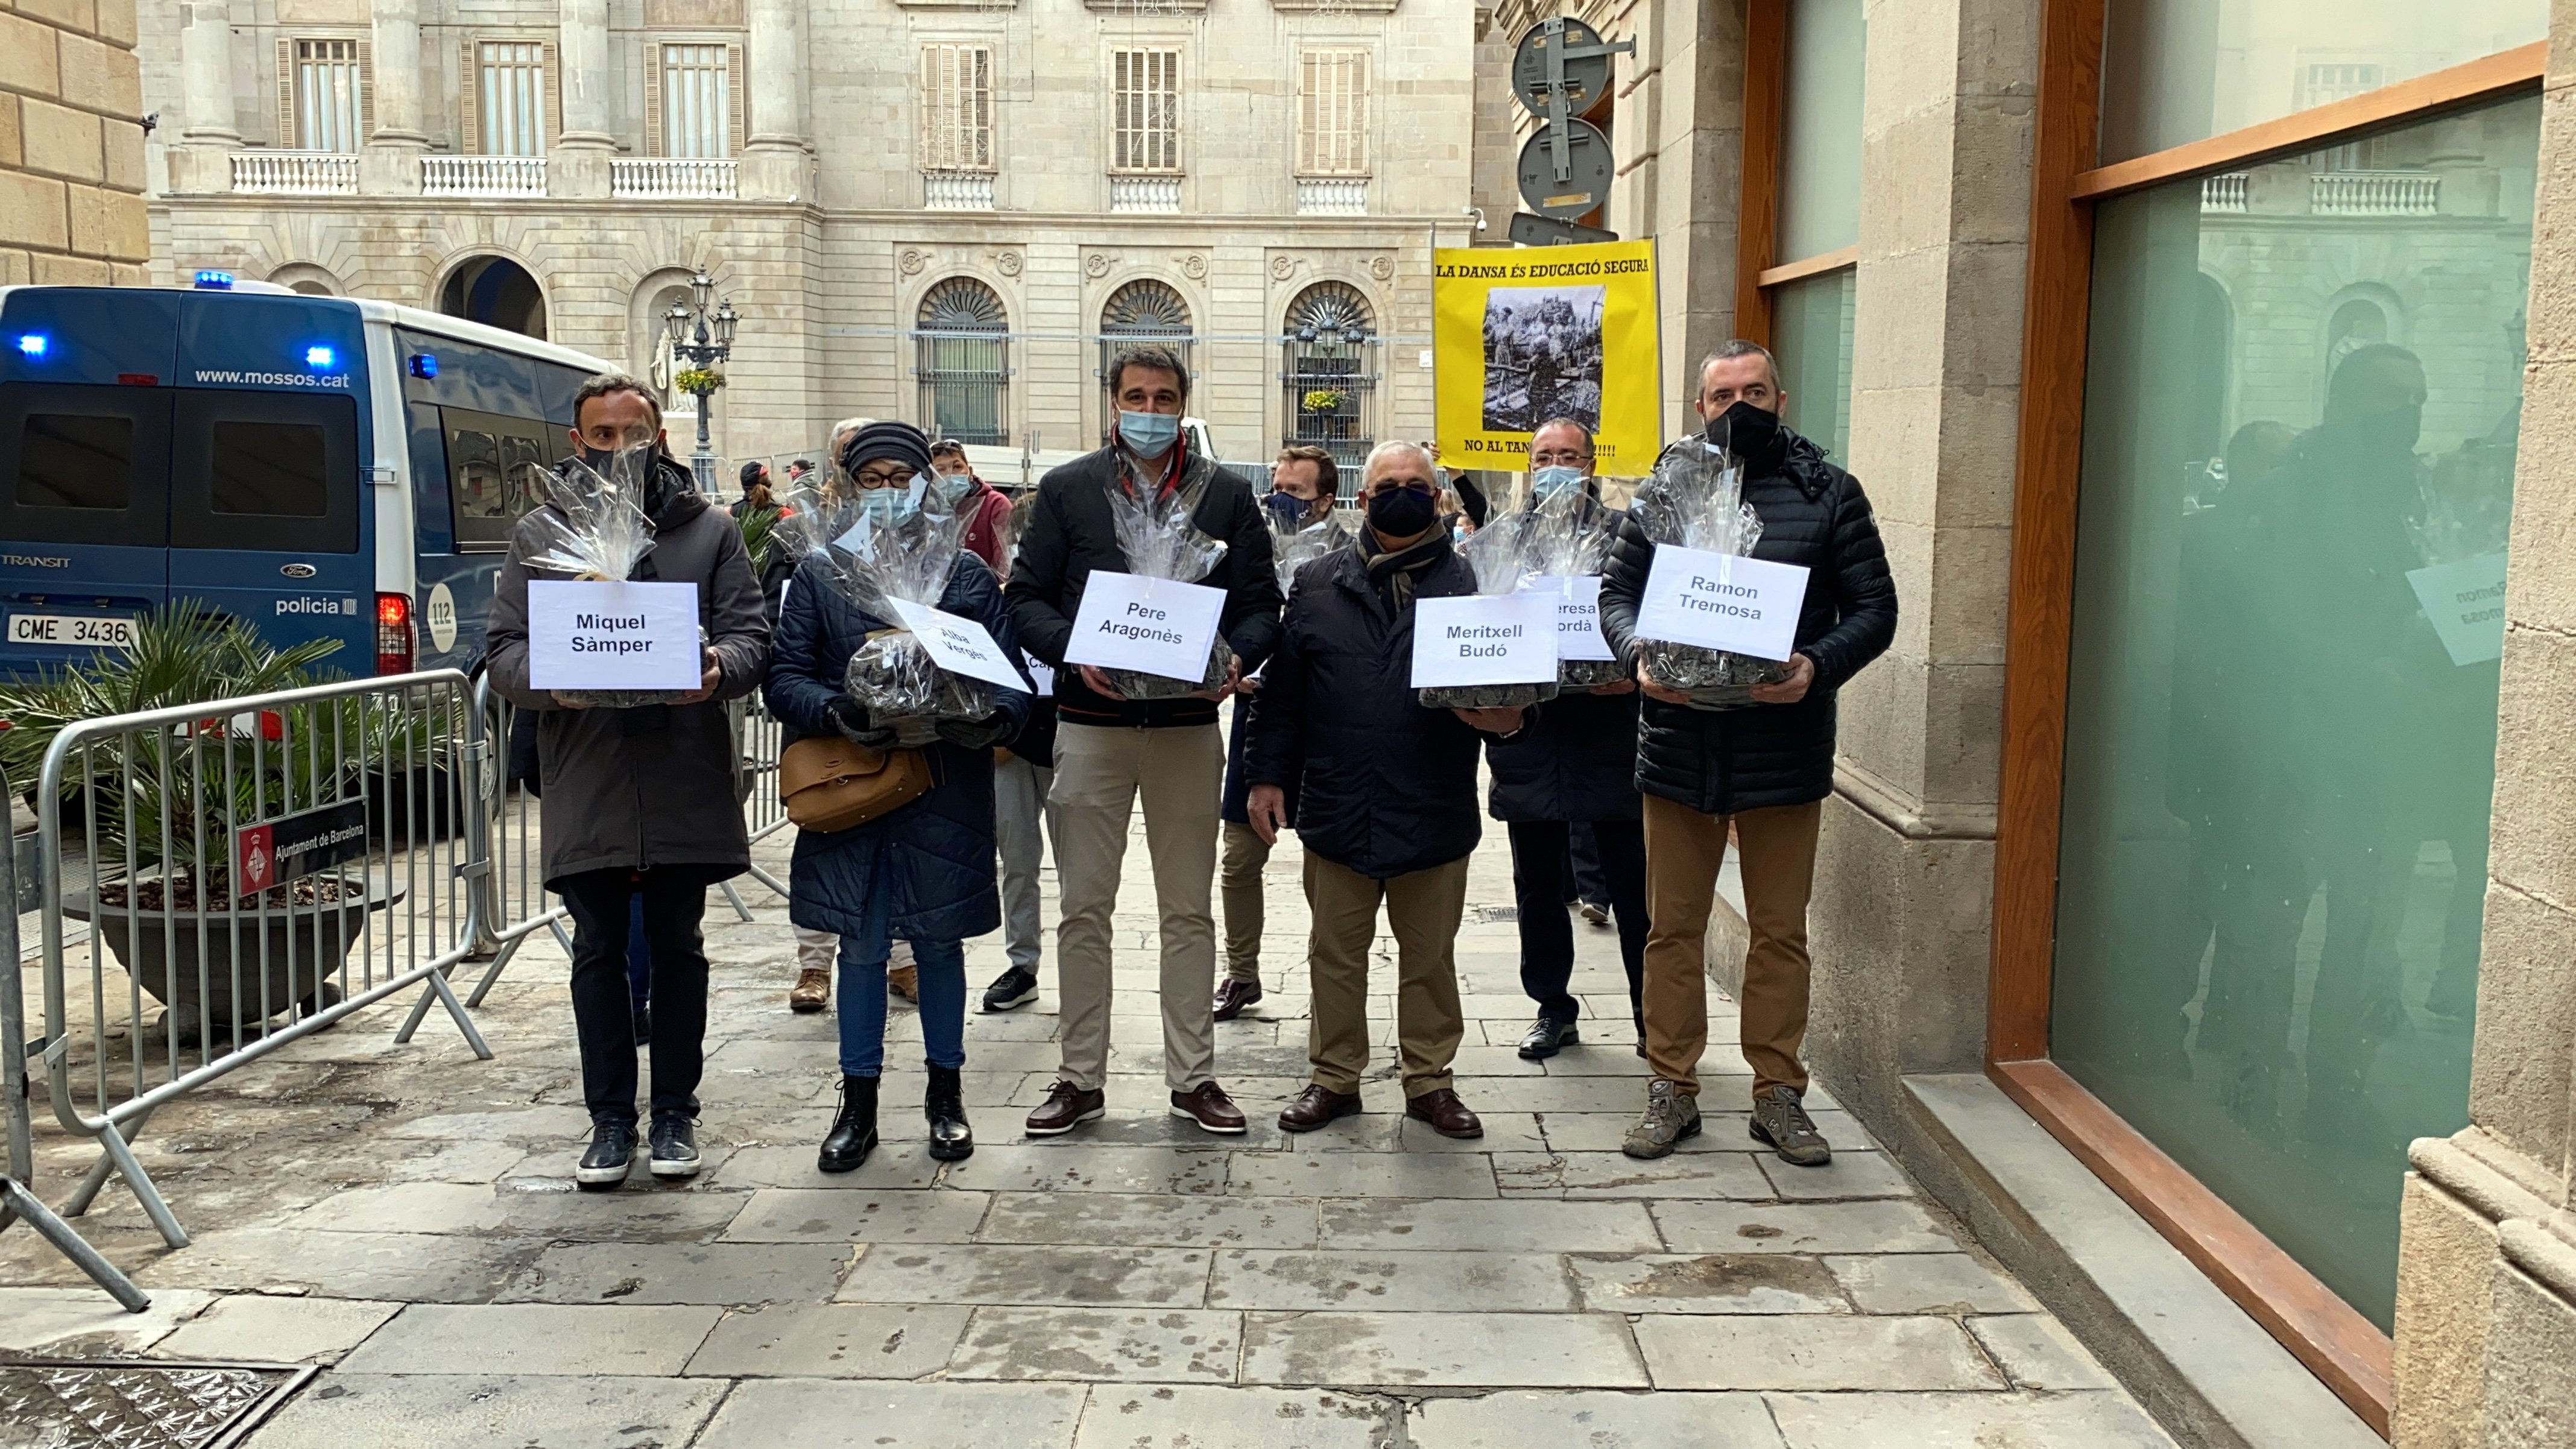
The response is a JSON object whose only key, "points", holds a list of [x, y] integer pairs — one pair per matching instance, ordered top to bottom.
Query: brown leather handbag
{"points": [[832, 784]]}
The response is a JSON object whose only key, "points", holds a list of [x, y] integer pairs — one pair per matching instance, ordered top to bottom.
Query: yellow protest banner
{"points": [[1533, 333]]}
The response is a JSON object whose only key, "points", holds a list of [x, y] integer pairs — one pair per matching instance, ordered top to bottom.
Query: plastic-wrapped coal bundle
{"points": [[1696, 500], [594, 529], [1156, 533], [1569, 537], [885, 544], [1294, 547], [1498, 552]]}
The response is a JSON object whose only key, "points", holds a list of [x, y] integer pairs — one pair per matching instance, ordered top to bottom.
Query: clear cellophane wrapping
{"points": [[1696, 500], [595, 529], [1156, 533], [1569, 537], [1294, 547], [1499, 555], [874, 560]]}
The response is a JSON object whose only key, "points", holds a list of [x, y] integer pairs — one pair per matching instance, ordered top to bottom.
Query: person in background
{"points": [[798, 471], [1304, 483], [755, 497], [986, 511], [1112, 752], [1576, 762], [1764, 770], [1023, 773], [1388, 809], [603, 847], [925, 869], [1585, 891]]}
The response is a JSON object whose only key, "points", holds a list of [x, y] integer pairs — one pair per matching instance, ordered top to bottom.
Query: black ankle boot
{"points": [[945, 1104], [854, 1131]]}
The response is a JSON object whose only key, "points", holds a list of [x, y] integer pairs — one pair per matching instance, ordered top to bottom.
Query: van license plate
{"points": [[73, 631]]}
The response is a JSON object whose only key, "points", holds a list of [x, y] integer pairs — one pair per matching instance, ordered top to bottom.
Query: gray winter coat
{"points": [[600, 767]]}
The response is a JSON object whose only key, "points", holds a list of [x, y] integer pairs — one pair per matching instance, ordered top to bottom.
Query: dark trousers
{"points": [[1583, 866], [1547, 932], [639, 956], [603, 1015]]}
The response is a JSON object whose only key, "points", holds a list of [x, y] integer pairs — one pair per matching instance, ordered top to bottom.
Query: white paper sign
{"points": [[1718, 601], [2465, 601], [1578, 614], [1153, 626], [599, 635], [1485, 639], [958, 645], [1039, 674]]}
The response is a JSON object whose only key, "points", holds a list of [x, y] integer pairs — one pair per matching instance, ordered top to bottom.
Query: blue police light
{"points": [[215, 281], [34, 344], [318, 356], [424, 364]]}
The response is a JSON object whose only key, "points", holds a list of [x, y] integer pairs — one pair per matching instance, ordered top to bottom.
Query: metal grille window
{"points": [[1145, 87], [326, 95], [510, 95], [696, 100], [956, 108], [1332, 113], [1144, 311], [961, 354], [1328, 373]]}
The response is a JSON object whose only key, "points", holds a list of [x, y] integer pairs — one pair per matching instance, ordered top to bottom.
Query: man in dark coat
{"points": [[1111, 751], [1576, 762], [1764, 769], [1387, 804], [603, 845]]}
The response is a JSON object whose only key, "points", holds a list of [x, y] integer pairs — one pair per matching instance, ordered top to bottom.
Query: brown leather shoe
{"points": [[904, 981], [812, 991], [1233, 996], [1316, 1106], [1066, 1107], [1210, 1107], [1447, 1115]]}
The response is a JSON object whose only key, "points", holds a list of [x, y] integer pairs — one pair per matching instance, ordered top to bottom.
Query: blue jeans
{"points": [[862, 992]]}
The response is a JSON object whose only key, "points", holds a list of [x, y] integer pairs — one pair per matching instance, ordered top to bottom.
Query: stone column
{"points": [[201, 159], [775, 163], [390, 165], [577, 167]]}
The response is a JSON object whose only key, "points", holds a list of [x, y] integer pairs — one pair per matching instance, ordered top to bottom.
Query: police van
{"points": [[313, 467]]}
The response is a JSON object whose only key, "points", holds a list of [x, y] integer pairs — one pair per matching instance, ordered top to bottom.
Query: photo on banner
{"points": [[1524, 335]]}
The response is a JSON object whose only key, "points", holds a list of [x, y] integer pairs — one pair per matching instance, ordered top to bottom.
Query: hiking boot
{"points": [[1013, 988], [812, 991], [1233, 996], [1547, 1036], [944, 1103], [1065, 1108], [1671, 1115], [1781, 1122], [854, 1127], [675, 1147], [611, 1156]]}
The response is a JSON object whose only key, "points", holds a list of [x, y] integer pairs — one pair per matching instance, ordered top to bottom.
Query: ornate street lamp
{"points": [[700, 339]]}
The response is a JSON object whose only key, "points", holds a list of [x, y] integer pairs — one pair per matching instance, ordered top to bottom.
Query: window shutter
{"points": [[550, 76], [1309, 76], [366, 91], [469, 99], [653, 100], [737, 105], [979, 108], [287, 136], [1356, 153]]}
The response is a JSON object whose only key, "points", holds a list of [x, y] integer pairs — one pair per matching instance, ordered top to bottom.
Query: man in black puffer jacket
{"points": [[1765, 769], [1387, 803]]}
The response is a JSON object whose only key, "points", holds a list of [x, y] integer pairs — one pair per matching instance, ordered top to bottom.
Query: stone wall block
{"points": [[68, 14], [29, 60], [101, 77], [60, 141], [12, 142], [33, 212], [54, 271], [2541, 587], [1968, 594], [1880, 723], [1963, 753], [2533, 830], [2519, 1075], [2441, 1321], [2531, 1364]]}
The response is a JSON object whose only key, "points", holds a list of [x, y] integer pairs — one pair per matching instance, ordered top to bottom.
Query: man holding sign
{"points": [[1764, 769], [1387, 809], [603, 846]]}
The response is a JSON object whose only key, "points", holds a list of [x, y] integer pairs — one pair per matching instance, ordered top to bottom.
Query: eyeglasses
{"points": [[874, 479], [1403, 485]]}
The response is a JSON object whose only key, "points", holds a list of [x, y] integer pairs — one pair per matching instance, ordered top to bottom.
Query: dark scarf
{"points": [[1394, 572]]}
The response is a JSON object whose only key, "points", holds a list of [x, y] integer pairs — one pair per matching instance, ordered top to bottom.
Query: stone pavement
{"points": [[406, 1216]]}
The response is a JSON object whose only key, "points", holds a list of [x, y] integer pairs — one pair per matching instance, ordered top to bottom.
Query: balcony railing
{"points": [[295, 173], [482, 175], [657, 178], [957, 190], [2223, 193], [2374, 193], [1144, 194], [1332, 196]]}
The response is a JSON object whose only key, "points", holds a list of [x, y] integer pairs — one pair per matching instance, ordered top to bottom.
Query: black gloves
{"points": [[858, 728], [976, 734]]}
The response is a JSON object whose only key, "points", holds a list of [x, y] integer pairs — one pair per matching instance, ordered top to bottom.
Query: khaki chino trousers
{"points": [[1684, 849], [1422, 911]]}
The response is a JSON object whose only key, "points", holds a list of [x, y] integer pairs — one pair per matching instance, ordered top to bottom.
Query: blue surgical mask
{"points": [[1148, 435], [1547, 482], [951, 486], [891, 506]]}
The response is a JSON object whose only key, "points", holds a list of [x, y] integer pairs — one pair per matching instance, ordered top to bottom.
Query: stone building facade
{"points": [[71, 145], [1262, 177]]}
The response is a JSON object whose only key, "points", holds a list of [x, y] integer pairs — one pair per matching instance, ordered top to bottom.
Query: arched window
{"points": [[498, 292], [1144, 311], [961, 354], [1328, 371]]}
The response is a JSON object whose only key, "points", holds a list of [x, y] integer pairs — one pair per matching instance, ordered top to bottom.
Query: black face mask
{"points": [[1744, 430], [597, 459], [1402, 512]]}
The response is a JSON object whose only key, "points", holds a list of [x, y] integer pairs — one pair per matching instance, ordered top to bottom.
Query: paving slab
{"points": [[1392, 1131], [1720, 1131], [784, 1164], [1075, 1166], [1361, 1174], [1617, 1175], [1849, 1175], [831, 1215], [1142, 1221], [1515, 1226], [1853, 1227], [395, 1267], [720, 1273], [1052, 1274], [1392, 1282], [1704, 1283], [1927, 1283], [43, 1318], [270, 1328], [534, 1338], [831, 1341], [1170, 1345], [1448, 1350], [1816, 1351], [2037, 1352], [442, 1411], [823, 1414], [1195, 1416], [1595, 1420], [1964, 1421]]}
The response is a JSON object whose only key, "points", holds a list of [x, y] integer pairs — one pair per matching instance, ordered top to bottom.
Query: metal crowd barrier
{"points": [[261, 868]]}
